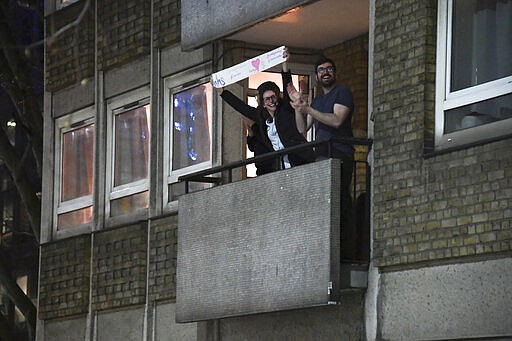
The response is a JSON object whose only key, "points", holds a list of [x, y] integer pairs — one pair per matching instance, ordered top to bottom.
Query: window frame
{"points": [[171, 85], [446, 99], [115, 106], [65, 124]]}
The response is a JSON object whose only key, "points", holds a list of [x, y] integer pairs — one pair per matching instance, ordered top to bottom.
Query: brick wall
{"points": [[167, 22], [123, 31], [123, 36], [70, 55], [438, 208], [162, 258], [119, 267], [64, 278]]}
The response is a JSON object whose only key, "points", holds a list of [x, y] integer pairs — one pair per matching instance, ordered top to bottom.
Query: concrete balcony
{"points": [[264, 244]]}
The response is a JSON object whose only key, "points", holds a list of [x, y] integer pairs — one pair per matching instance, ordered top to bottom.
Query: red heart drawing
{"points": [[256, 63]]}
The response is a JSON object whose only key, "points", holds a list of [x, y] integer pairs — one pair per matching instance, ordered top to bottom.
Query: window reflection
{"points": [[481, 49], [476, 114], [191, 140], [131, 146], [77, 162], [77, 174], [75, 218]]}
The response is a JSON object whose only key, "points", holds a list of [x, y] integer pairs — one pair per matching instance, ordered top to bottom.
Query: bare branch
{"points": [[51, 39], [29, 114], [25, 188], [18, 296]]}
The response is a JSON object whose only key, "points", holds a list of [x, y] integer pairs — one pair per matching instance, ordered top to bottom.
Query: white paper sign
{"points": [[250, 67]]}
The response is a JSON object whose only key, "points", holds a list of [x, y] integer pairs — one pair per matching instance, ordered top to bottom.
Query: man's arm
{"points": [[334, 119]]}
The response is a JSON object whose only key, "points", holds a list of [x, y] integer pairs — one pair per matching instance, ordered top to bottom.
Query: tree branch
{"points": [[29, 115], [25, 189], [16, 295]]}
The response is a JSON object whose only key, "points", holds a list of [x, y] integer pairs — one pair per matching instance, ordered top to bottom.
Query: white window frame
{"points": [[174, 84], [446, 100], [115, 106], [62, 125]]}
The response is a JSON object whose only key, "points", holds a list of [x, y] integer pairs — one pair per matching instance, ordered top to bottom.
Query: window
{"points": [[474, 72], [191, 121], [189, 128], [128, 164], [74, 169]]}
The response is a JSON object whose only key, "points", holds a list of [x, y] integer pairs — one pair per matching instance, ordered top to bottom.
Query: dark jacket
{"points": [[285, 123], [258, 147]]}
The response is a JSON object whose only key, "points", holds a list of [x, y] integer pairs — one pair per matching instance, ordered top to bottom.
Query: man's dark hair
{"points": [[324, 59], [265, 86]]}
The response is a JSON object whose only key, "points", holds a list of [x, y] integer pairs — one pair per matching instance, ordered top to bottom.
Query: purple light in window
{"points": [[178, 126], [192, 155]]}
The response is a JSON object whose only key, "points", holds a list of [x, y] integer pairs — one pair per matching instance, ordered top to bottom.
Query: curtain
{"points": [[77, 173]]}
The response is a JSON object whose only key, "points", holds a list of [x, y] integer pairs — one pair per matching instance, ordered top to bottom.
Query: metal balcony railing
{"points": [[206, 175]]}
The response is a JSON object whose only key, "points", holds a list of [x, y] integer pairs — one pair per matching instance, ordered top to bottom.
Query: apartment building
{"points": [[133, 247]]}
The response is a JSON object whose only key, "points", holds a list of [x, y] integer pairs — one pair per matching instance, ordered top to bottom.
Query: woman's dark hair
{"points": [[324, 59], [265, 86]]}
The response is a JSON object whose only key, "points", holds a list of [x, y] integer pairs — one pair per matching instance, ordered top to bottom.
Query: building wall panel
{"points": [[428, 208], [162, 258], [119, 267], [64, 277], [448, 302]]}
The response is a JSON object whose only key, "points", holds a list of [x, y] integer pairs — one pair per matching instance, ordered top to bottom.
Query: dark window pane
{"points": [[481, 42], [495, 109]]}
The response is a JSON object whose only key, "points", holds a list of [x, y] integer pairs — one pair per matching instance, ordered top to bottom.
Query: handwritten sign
{"points": [[250, 67]]}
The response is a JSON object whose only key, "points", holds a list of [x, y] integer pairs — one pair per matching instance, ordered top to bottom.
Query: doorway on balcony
{"points": [[301, 81]]}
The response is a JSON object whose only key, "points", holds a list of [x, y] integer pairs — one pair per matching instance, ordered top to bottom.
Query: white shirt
{"points": [[276, 141]]}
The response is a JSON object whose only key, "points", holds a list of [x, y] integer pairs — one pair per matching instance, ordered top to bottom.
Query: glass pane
{"points": [[481, 42], [496, 109], [191, 140], [131, 146], [77, 162], [129, 204], [75, 218]]}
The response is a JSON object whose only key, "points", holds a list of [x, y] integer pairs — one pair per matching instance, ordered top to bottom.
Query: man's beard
{"points": [[327, 83]]}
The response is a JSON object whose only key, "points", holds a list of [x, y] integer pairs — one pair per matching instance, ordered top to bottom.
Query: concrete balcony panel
{"points": [[265, 244]]}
